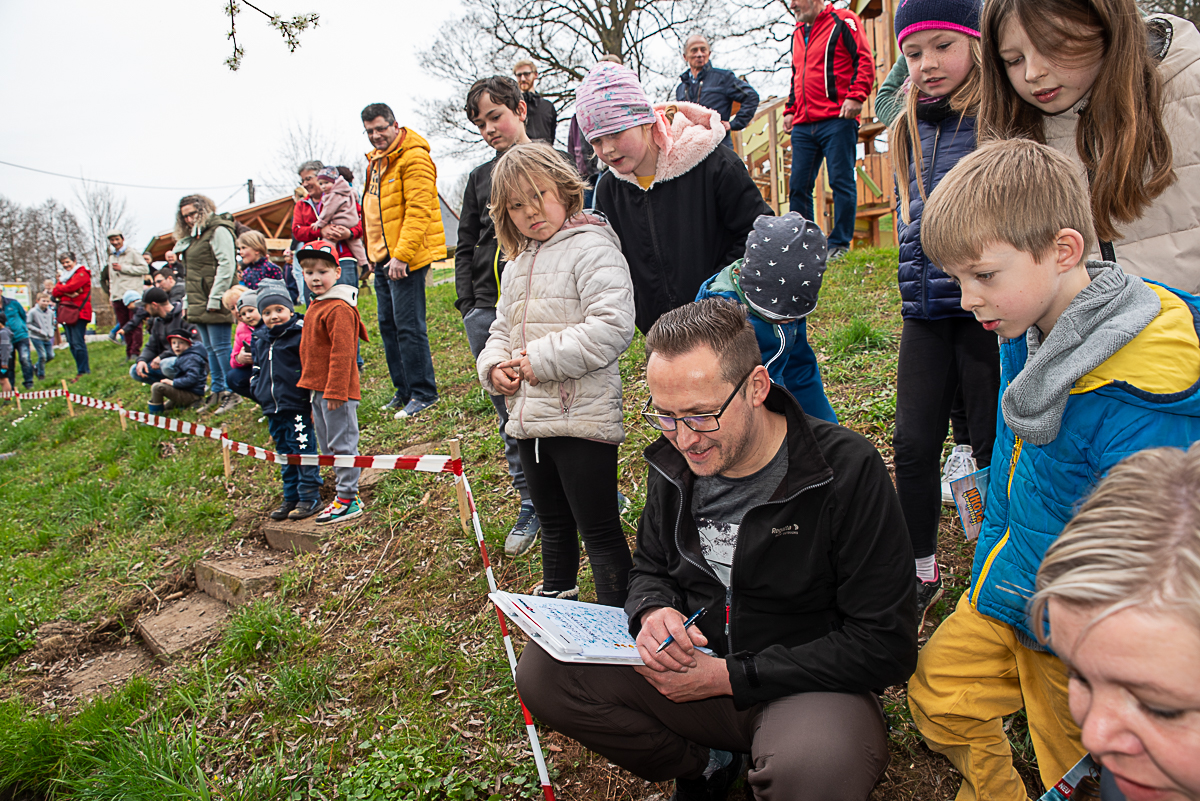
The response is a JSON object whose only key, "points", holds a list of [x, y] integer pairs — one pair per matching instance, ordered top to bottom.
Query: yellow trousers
{"points": [[970, 675]]}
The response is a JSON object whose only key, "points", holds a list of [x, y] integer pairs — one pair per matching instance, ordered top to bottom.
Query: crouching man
{"points": [[786, 529]]}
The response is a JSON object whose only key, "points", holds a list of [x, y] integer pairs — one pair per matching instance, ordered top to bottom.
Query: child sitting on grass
{"points": [[778, 282], [327, 352], [1095, 365], [191, 373], [275, 386]]}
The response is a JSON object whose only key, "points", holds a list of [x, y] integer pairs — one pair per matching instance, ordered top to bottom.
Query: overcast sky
{"points": [[136, 91]]}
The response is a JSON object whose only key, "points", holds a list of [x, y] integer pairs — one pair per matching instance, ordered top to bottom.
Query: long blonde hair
{"points": [[904, 138], [1120, 138], [516, 176], [1135, 542]]}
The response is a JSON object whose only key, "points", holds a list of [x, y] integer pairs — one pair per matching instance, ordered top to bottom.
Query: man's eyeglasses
{"points": [[524, 74], [377, 131], [700, 423]]}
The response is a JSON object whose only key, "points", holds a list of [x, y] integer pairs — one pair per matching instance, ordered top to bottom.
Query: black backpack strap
{"points": [[1107, 252]]}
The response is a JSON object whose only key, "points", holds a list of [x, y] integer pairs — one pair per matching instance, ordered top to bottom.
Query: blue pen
{"points": [[687, 623]]}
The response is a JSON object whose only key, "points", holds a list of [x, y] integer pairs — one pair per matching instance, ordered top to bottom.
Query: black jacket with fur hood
{"points": [[692, 221], [822, 596]]}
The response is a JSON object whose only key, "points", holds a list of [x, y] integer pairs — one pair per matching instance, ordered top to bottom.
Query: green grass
{"points": [[372, 673]]}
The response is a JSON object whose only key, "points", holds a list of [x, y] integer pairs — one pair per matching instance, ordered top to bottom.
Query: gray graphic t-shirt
{"points": [[718, 505]]}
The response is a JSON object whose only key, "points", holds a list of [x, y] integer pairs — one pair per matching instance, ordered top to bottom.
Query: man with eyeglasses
{"points": [[542, 121], [786, 529]]}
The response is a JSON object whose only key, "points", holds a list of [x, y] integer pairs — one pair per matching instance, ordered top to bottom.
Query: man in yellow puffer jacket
{"points": [[404, 235]]}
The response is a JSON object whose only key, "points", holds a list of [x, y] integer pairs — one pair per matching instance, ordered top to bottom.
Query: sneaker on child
{"points": [[413, 408], [958, 464], [340, 511]]}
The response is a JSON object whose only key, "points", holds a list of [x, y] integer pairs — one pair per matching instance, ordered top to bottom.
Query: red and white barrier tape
{"points": [[45, 393], [84, 400], [174, 424], [425, 464]]}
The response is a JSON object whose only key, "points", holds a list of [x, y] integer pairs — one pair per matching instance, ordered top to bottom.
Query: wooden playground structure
{"points": [[767, 149]]}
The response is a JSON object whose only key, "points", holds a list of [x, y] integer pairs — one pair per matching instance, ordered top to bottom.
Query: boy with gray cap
{"points": [[778, 282], [275, 347]]}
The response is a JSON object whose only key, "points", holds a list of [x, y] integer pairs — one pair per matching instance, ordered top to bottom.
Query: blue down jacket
{"points": [[926, 292], [276, 354], [1144, 396]]}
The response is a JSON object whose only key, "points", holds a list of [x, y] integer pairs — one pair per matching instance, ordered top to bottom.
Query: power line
{"points": [[115, 183]]}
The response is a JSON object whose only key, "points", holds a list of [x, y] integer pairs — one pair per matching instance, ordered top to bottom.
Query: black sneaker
{"points": [[836, 254], [305, 509], [282, 512], [927, 594], [715, 787]]}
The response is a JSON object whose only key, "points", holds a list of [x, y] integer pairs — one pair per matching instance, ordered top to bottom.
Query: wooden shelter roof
{"points": [[272, 219]]}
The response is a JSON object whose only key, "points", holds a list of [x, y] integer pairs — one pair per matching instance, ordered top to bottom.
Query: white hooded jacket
{"points": [[568, 302]]}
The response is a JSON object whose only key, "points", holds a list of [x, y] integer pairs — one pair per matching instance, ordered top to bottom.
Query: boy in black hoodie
{"points": [[276, 350]]}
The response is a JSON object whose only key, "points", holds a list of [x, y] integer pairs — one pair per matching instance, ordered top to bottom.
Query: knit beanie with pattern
{"points": [[944, 15], [611, 100], [785, 262]]}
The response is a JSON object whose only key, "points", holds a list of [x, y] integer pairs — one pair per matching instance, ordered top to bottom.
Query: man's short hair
{"points": [[687, 42], [525, 63], [501, 89], [378, 110], [312, 165], [1015, 192], [165, 272], [720, 325]]}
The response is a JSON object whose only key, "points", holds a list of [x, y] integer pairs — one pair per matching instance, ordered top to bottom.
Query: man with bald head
{"points": [[714, 88]]}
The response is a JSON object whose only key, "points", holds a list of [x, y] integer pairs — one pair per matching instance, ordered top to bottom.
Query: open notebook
{"points": [[571, 631]]}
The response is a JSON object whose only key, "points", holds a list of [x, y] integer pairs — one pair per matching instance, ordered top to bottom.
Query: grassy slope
{"points": [[377, 671]]}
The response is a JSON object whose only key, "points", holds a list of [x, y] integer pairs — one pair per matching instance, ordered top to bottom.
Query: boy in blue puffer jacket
{"points": [[776, 250], [276, 349], [1096, 365], [191, 371]]}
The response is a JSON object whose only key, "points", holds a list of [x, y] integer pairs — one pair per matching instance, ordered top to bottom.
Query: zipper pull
{"points": [[728, 603]]}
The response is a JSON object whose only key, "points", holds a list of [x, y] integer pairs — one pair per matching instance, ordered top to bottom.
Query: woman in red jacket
{"points": [[73, 296]]}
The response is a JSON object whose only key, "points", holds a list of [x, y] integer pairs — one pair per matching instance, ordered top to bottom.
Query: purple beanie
{"points": [[945, 15], [611, 100]]}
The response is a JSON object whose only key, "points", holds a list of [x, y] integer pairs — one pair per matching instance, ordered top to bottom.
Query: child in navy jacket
{"points": [[276, 349], [191, 372]]}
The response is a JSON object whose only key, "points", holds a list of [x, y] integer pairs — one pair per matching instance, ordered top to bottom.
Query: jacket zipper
{"points": [[524, 318], [271, 370], [999, 546], [707, 568]]}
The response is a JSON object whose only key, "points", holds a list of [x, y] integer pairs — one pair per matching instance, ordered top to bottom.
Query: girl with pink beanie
{"points": [[681, 204]]}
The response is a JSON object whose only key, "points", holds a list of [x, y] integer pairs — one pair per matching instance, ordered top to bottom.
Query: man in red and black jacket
{"points": [[833, 70]]}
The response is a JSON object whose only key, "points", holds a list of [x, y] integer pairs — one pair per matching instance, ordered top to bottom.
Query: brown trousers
{"points": [[180, 397], [813, 746]]}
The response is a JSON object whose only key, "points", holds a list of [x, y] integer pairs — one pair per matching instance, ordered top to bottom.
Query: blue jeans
{"points": [[835, 140], [401, 306], [75, 333], [215, 337], [22, 348], [45, 352], [166, 369], [238, 381], [293, 433]]}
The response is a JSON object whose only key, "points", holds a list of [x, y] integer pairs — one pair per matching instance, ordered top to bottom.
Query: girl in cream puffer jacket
{"points": [[564, 318]]}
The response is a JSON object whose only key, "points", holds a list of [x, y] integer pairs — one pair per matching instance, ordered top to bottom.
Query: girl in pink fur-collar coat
{"points": [[681, 204]]}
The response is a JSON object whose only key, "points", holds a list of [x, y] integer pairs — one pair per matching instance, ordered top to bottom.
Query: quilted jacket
{"points": [[401, 211], [568, 302], [1144, 396]]}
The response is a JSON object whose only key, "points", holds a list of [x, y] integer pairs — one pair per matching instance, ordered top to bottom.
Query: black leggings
{"points": [[937, 357], [573, 485]]}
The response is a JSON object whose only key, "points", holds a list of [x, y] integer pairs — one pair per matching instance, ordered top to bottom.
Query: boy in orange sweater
{"points": [[328, 350]]}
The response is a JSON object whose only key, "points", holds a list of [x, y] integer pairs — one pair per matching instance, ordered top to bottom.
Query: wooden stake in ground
{"points": [[67, 392], [18, 396], [121, 414], [225, 457], [464, 509]]}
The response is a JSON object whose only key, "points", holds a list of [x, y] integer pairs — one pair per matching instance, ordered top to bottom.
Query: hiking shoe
{"points": [[836, 254], [211, 401], [228, 401], [395, 404], [413, 408], [958, 464], [622, 503], [284, 509], [304, 509], [339, 512], [524, 532], [927, 594], [566, 595], [715, 787]]}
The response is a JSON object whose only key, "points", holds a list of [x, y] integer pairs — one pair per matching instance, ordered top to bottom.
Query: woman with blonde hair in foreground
{"points": [[1120, 589]]}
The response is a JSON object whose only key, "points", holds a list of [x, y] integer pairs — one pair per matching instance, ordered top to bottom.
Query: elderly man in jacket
{"points": [[714, 88], [404, 235], [126, 271], [787, 531]]}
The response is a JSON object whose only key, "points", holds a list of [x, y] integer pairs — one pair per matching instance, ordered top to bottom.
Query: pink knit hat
{"points": [[611, 100]]}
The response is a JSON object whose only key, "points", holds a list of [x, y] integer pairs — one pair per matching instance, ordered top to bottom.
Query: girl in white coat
{"points": [[564, 318]]}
